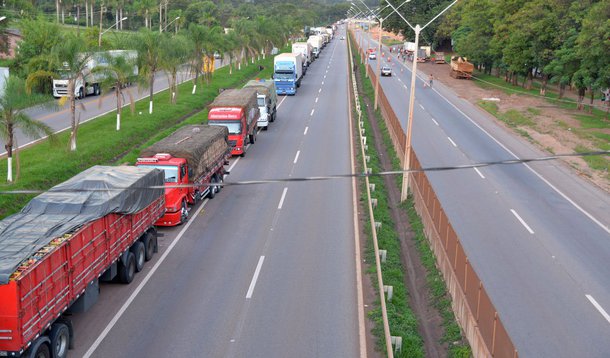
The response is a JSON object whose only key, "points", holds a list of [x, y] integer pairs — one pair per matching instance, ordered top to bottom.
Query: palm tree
{"points": [[198, 36], [149, 50], [175, 51], [75, 59], [119, 72], [12, 117]]}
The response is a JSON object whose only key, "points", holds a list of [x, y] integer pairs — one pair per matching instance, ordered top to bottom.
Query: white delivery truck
{"points": [[316, 44], [305, 49], [89, 83], [266, 96]]}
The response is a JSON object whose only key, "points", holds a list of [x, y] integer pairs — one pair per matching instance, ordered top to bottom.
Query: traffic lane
{"points": [[89, 108], [238, 209], [317, 245], [577, 301]]}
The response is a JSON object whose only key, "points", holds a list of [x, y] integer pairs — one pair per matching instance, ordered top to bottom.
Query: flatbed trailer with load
{"points": [[93, 227]]}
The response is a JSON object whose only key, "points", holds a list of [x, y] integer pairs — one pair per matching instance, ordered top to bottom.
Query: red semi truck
{"points": [[236, 109], [193, 159], [96, 226]]}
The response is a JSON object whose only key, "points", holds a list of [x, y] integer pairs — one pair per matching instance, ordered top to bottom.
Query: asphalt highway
{"points": [[536, 234], [261, 270]]}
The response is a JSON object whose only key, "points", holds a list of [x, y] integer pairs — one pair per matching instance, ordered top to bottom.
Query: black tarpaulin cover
{"points": [[71, 204]]}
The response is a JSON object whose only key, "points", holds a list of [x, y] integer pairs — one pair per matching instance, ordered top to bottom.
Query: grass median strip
{"points": [[44, 165], [402, 319]]}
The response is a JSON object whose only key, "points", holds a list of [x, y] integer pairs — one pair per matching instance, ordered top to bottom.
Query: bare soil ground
{"points": [[554, 130]]}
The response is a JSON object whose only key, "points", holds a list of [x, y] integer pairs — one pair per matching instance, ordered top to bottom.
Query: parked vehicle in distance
{"points": [[342, 37], [317, 43], [305, 49], [372, 56], [386, 71], [287, 72], [89, 83], [267, 101], [236, 109], [194, 156], [63, 243]]}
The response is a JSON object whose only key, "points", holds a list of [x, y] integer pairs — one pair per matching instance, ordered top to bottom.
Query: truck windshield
{"points": [[283, 76], [261, 101], [233, 127], [171, 172]]}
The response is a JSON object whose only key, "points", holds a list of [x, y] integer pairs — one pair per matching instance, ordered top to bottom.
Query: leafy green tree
{"points": [[472, 37], [13, 104]]}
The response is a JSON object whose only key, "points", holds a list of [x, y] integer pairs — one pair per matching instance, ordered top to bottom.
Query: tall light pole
{"points": [[171, 22], [99, 40], [407, 153]]}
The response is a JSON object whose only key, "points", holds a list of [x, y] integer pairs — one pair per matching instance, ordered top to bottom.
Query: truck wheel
{"points": [[96, 90], [81, 93], [213, 188], [184, 213], [149, 245], [140, 253], [128, 271], [60, 340], [40, 349]]}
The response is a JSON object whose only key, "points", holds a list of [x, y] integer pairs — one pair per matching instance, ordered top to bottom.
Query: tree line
{"points": [[561, 42]]}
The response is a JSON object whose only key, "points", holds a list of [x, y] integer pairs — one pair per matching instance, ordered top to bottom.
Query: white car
{"points": [[342, 37], [372, 56], [386, 71]]}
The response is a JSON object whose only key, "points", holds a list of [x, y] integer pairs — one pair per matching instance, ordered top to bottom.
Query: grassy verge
{"points": [[44, 165], [388, 239]]}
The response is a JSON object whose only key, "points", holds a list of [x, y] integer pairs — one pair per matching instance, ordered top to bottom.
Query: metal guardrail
{"points": [[471, 304]]}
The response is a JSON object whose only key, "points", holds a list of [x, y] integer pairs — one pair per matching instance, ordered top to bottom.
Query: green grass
{"points": [[489, 107], [534, 111], [596, 162], [44, 165], [392, 270]]}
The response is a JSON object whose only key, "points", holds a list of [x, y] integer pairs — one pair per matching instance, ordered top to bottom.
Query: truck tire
{"points": [[96, 90], [81, 93], [213, 188], [184, 213], [149, 245], [139, 252], [127, 271], [60, 340], [40, 349]]}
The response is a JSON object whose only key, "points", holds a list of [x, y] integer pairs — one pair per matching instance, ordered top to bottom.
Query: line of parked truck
{"points": [[290, 67], [101, 224]]}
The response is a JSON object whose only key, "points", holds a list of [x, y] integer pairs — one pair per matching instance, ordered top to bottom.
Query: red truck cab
{"points": [[234, 119], [176, 197]]}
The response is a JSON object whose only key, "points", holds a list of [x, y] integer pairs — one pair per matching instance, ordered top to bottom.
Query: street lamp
{"points": [[171, 22], [99, 40], [407, 152]]}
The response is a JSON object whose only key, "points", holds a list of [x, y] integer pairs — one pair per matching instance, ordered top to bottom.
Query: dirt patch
{"points": [[552, 128]]}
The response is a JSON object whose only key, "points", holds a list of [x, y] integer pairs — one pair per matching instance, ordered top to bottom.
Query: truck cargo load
{"points": [[461, 68], [201, 145], [96, 225]]}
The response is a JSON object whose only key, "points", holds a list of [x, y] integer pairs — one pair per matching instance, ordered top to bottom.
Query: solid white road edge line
{"points": [[282, 101], [452, 142], [296, 157], [232, 165], [480, 174], [279, 206], [522, 221], [357, 257], [255, 277], [135, 293], [599, 307]]}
